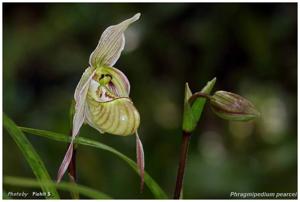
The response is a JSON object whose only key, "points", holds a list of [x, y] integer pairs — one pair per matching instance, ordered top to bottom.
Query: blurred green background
{"points": [[250, 48]]}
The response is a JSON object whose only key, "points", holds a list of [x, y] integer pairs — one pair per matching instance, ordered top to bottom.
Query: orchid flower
{"points": [[102, 95]]}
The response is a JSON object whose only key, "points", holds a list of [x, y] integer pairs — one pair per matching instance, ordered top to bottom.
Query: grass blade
{"points": [[31, 156], [149, 181], [66, 186], [5, 195]]}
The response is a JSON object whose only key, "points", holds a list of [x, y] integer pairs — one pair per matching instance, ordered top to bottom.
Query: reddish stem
{"points": [[196, 95], [182, 162]]}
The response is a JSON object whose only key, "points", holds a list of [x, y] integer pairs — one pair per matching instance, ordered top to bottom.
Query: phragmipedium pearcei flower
{"points": [[102, 95]]}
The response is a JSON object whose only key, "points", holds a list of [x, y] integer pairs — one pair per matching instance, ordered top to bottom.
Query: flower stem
{"points": [[198, 94], [182, 162]]}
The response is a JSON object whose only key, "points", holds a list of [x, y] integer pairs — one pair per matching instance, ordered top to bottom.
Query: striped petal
{"points": [[111, 44], [85, 76], [80, 98], [118, 116], [78, 119], [65, 163]]}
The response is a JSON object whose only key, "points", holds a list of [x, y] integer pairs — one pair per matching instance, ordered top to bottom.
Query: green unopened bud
{"points": [[232, 107]]}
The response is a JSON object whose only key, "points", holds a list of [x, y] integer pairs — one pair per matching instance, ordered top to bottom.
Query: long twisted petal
{"points": [[85, 76], [80, 99], [79, 116], [140, 159], [65, 163]]}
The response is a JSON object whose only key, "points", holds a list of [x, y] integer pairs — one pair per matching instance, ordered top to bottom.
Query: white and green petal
{"points": [[111, 44], [83, 80], [80, 99], [79, 117]]}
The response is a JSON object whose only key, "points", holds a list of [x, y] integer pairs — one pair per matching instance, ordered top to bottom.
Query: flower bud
{"points": [[232, 107]]}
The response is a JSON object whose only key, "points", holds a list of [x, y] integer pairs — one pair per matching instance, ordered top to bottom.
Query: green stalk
{"points": [[192, 111]]}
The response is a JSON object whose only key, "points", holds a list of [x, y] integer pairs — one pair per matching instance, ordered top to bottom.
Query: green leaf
{"points": [[199, 103], [192, 114], [188, 123], [31, 156], [149, 181], [27, 182], [5, 195]]}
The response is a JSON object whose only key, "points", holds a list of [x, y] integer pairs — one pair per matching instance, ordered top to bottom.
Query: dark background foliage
{"points": [[250, 48]]}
